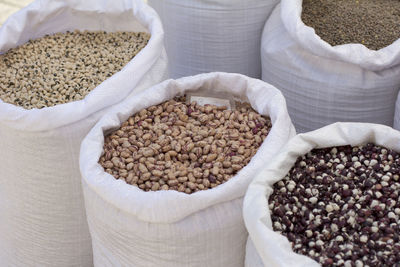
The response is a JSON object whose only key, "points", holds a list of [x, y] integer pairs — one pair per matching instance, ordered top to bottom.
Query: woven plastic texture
{"points": [[218, 35], [324, 84], [43, 221], [170, 228], [274, 249]]}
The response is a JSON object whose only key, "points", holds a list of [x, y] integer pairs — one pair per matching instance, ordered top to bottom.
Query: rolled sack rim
{"points": [[215, 6], [356, 54], [49, 118], [155, 207], [255, 207]]}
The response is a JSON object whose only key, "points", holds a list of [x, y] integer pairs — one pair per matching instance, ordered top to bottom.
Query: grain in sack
{"points": [[323, 83], [165, 187], [329, 199]]}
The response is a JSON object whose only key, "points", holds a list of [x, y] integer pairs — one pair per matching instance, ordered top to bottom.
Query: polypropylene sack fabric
{"points": [[213, 35], [324, 84], [396, 123], [43, 221], [169, 228], [273, 248], [252, 258]]}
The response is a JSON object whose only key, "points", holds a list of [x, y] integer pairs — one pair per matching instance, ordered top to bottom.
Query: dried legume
{"points": [[374, 23], [64, 67], [183, 147], [340, 206]]}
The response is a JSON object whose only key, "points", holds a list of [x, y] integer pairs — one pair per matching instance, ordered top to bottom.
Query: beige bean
{"points": [[186, 156]]}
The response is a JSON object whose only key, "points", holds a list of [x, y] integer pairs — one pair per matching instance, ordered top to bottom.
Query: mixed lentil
{"points": [[373, 23], [64, 67], [183, 146], [340, 206]]}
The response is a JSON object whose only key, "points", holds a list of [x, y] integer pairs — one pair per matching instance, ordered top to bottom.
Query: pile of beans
{"points": [[373, 23], [64, 67], [183, 147], [340, 206]]}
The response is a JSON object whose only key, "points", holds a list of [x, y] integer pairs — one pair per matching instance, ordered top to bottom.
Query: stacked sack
{"points": [[221, 35], [322, 83], [43, 221]]}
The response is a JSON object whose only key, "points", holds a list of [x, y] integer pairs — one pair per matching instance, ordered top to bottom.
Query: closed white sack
{"points": [[213, 35], [324, 84], [42, 215], [131, 227], [274, 249]]}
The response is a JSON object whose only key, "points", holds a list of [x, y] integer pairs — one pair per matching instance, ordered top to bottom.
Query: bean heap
{"points": [[374, 23], [64, 67], [183, 147], [340, 206]]}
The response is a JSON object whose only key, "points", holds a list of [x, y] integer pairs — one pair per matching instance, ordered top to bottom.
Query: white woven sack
{"points": [[213, 35], [324, 84], [396, 123], [43, 221], [130, 227], [274, 249], [252, 258]]}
